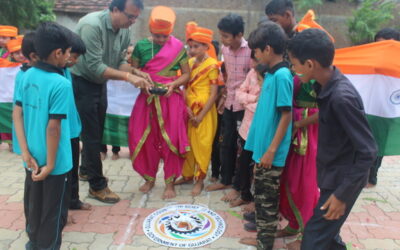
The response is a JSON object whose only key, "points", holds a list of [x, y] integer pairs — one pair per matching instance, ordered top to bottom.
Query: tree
{"points": [[306, 4], [26, 14], [368, 19]]}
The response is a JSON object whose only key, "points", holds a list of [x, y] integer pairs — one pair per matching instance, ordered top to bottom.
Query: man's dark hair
{"points": [[120, 4], [279, 7], [232, 24], [270, 34], [388, 34], [49, 37], [215, 43], [28, 44], [77, 44], [312, 44]]}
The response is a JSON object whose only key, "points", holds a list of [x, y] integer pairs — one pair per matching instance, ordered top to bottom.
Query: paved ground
{"points": [[373, 224]]}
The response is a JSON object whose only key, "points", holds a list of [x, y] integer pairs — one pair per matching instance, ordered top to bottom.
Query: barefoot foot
{"points": [[103, 156], [115, 156], [213, 179], [183, 180], [370, 185], [216, 186], [146, 187], [198, 187], [169, 191], [232, 195], [238, 202], [251, 207], [70, 220], [284, 233], [248, 241], [295, 245]]}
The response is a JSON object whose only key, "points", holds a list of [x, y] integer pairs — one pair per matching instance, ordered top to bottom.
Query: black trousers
{"points": [[91, 102], [231, 121], [115, 149], [215, 154], [244, 171], [373, 172], [73, 179], [46, 210], [322, 234]]}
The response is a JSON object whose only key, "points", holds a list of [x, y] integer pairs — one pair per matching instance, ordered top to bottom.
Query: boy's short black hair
{"points": [[120, 4], [279, 7], [263, 20], [232, 24], [268, 34], [387, 34], [49, 37], [215, 43], [28, 44], [77, 44], [312, 44]]}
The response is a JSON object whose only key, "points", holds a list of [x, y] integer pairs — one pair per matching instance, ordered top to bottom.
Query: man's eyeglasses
{"points": [[130, 16]]}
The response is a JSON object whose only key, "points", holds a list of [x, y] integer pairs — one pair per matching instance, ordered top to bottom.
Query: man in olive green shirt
{"points": [[106, 35]]}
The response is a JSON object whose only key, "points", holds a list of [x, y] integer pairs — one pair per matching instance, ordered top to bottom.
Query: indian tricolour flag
{"points": [[374, 69], [8, 72], [121, 99]]}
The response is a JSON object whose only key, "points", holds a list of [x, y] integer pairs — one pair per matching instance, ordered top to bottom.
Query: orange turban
{"points": [[162, 20], [308, 22], [190, 28], [8, 31], [203, 35], [15, 45]]}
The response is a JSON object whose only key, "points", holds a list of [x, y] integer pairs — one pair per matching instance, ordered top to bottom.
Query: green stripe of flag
{"points": [[6, 117], [116, 130], [387, 134]]}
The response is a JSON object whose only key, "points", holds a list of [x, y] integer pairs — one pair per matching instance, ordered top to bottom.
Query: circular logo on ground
{"points": [[395, 97], [184, 226]]}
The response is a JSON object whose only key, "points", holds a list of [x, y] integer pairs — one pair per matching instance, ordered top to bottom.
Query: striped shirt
{"points": [[237, 65]]}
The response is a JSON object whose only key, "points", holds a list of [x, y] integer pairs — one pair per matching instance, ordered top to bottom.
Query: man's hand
{"points": [[142, 74], [140, 82], [267, 159], [42, 173], [336, 208]]}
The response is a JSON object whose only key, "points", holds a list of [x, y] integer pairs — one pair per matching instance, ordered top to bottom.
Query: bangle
{"points": [[127, 76]]}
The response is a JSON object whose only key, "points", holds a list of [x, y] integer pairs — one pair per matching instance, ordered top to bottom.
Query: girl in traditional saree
{"points": [[201, 93], [158, 124], [299, 190]]}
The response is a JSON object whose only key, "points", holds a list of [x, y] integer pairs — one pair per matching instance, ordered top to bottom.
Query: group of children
{"points": [[282, 98], [46, 129]]}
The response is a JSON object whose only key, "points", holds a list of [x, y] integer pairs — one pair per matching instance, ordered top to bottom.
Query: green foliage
{"points": [[307, 4], [26, 14], [368, 19]]}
